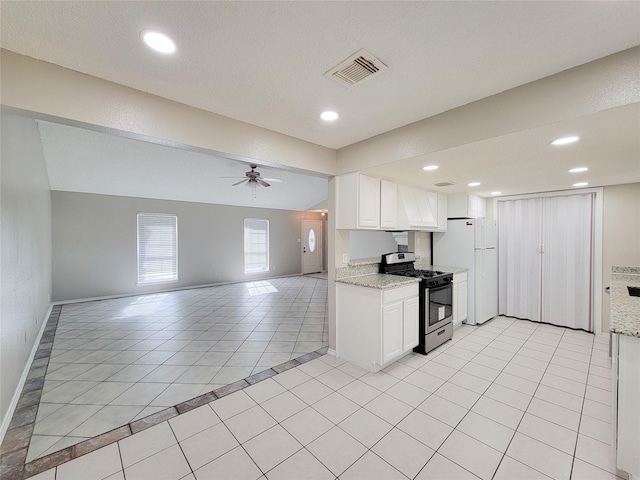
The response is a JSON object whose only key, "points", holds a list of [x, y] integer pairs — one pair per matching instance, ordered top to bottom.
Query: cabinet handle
{"points": [[441, 331]]}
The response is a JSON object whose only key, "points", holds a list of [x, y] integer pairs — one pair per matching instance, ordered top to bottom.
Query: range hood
{"points": [[416, 207]]}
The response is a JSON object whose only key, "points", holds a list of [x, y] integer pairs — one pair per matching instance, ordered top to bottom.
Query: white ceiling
{"points": [[264, 63], [80, 160], [525, 161]]}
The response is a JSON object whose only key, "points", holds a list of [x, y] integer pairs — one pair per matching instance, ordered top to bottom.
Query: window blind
{"points": [[256, 245], [157, 247]]}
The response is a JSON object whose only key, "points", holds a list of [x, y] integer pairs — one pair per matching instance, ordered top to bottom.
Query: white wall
{"points": [[621, 234], [25, 239], [95, 243], [364, 244]]}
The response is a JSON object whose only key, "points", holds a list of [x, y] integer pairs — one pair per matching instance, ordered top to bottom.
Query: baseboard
{"points": [[332, 352], [23, 378]]}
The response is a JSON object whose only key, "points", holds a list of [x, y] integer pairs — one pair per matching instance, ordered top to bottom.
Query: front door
{"points": [[311, 246]]}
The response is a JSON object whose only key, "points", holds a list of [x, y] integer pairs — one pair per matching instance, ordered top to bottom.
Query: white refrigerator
{"points": [[472, 244]]}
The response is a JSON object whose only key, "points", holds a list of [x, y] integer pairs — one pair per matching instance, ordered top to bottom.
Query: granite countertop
{"points": [[440, 268], [378, 280], [625, 309]]}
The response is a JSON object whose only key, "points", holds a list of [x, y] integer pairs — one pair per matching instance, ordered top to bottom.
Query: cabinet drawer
{"points": [[460, 277], [400, 293]]}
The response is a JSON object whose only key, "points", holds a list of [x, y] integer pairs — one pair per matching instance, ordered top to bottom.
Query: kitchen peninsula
{"points": [[625, 331]]}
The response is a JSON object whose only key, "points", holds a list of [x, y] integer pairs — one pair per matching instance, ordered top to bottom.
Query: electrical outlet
{"points": [[345, 258]]}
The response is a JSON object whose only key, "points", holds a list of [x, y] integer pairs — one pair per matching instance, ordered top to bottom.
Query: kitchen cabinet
{"points": [[358, 202], [388, 205], [466, 206], [416, 209], [442, 213], [460, 298], [375, 327]]}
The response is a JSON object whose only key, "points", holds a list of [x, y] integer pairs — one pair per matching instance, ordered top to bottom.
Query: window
{"points": [[256, 245], [157, 248]]}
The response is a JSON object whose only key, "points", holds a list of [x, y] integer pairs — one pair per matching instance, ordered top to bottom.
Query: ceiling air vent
{"points": [[356, 69], [444, 184]]}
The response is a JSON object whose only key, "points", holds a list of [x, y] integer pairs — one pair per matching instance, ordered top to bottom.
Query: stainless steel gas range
{"points": [[436, 298]]}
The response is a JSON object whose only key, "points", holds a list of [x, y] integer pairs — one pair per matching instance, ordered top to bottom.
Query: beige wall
{"points": [[621, 234], [95, 243], [25, 264]]}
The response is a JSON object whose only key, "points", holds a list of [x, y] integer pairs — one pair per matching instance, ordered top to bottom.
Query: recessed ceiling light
{"points": [[158, 41], [329, 116], [565, 140], [431, 167], [578, 169], [473, 184], [581, 184], [496, 193]]}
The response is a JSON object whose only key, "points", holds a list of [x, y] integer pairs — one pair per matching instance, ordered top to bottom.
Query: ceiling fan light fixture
{"points": [[158, 41], [565, 140]]}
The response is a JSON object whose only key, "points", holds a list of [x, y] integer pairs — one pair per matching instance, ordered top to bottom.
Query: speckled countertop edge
{"points": [[378, 280], [625, 309]]}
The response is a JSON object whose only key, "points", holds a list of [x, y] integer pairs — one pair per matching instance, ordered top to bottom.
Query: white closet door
{"points": [[519, 238], [566, 261]]}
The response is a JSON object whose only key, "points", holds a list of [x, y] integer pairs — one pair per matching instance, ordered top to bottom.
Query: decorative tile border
{"points": [[13, 452]]}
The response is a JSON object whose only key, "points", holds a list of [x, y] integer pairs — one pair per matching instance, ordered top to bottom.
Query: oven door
{"points": [[440, 306]]}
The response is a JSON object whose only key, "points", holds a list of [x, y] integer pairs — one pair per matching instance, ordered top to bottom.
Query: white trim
{"points": [[597, 247], [332, 352], [23, 378]]}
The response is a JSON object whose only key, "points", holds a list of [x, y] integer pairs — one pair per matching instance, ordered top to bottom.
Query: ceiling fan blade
{"points": [[233, 177], [273, 180], [262, 182], [238, 183]]}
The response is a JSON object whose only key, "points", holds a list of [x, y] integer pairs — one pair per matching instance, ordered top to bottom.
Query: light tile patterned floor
{"points": [[118, 360], [506, 400]]}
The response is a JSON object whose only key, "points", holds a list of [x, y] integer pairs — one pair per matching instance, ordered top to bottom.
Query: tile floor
{"points": [[115, 361], [507, 400]]}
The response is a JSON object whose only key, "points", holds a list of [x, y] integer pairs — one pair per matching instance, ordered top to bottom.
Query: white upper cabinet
{"points": [[358, 202], [368, 203], [388, 205], [466, 206], [442, 212]]}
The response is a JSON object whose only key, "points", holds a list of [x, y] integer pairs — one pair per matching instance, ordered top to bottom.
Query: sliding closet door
{"points": [[519, 238], [566, 261]]}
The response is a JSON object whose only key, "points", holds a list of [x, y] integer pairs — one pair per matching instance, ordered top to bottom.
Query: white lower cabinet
{"points": [[459, 298], [375, 327]]}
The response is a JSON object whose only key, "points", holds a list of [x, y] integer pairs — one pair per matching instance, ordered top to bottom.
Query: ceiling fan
{"points": [[252, 179]]}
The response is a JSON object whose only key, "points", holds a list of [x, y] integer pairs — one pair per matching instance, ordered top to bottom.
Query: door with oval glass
{"points": [[311, 246]]}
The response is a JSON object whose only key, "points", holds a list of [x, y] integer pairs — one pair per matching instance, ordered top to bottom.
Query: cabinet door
{"points": [[368, 202], [388, 204], [472, 206], [482, 207], [442, 212], [461, 301], [410, 330], [391, 331]]}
